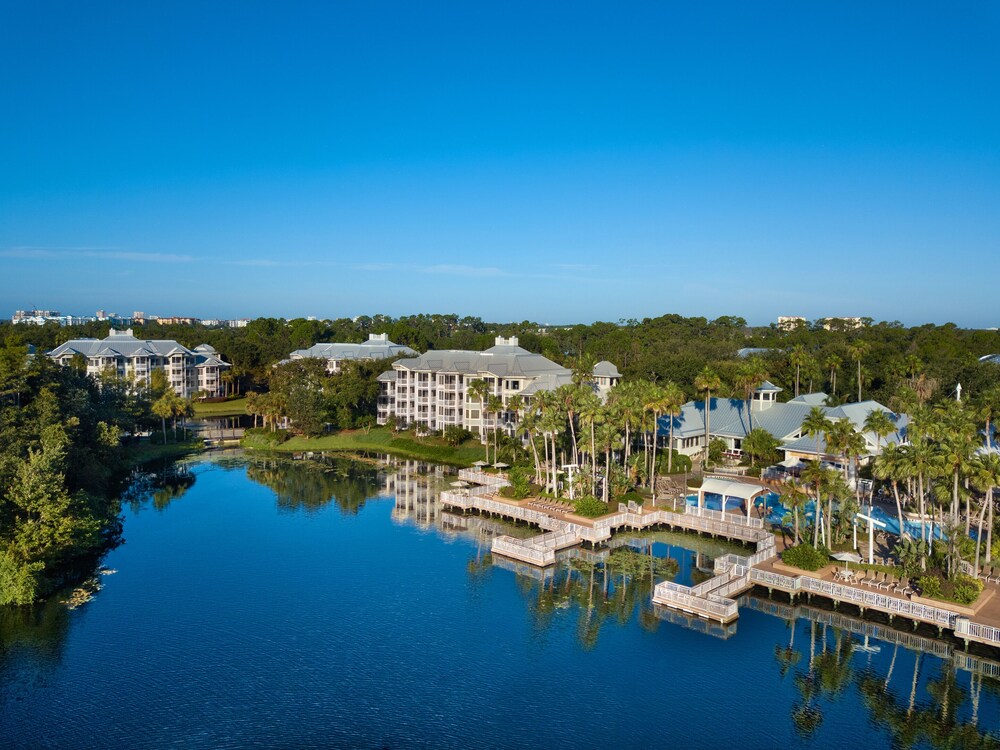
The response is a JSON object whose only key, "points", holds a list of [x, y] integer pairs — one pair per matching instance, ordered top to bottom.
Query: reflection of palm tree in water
{"points": [[598, 591]]}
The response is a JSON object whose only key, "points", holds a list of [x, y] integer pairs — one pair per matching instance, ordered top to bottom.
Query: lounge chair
{"points": [[869, 578], [883, 582]]}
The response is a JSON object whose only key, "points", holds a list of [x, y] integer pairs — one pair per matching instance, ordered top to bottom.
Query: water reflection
{"points": [[311, 484], [157, 485], [921, 704]]}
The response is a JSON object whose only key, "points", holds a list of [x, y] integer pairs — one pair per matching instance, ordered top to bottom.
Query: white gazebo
{"points": [[727, 488]]}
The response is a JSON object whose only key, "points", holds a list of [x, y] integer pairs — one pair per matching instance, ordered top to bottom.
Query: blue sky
{"points": [[557, 162]]}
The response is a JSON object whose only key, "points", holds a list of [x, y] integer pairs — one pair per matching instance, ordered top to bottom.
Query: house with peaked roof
{"points": [[378, 346], [188, 371], [432, 388], [731, 419]]}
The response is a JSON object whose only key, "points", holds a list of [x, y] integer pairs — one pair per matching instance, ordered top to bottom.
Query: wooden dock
{"points": [[713, 599]]}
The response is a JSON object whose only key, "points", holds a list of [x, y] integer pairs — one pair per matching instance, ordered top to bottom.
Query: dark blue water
{"points": [[306, 607]]}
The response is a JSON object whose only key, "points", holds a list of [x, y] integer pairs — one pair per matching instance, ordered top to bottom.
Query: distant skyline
{"points": [[563, 163]]}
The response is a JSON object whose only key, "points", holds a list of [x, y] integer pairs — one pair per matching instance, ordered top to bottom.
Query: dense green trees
{"points": [[60, 436]]}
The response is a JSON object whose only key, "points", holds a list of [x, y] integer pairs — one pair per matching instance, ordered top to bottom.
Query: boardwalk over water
{"points": [[734, 574]]}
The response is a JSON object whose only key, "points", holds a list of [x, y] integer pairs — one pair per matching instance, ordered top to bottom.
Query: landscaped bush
{"points": [[455, 435], [260, 437], [520, 482], [632, 497], [590, 507], [806, 557], [930, 586], [966, 589]]}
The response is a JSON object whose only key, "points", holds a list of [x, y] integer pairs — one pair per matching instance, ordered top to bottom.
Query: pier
{"points": [[714, 599]]}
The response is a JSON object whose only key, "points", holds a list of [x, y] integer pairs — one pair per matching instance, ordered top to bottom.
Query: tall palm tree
{"points": [[857, 352], [797, 358], [833, 363], [750, 374], [707, 381], [480, 390], [569, 396], [673, 401], [655, 404], [494, 406], [988, 406], [590, 412], [528, 425], [816, 425], [956, 435], [893, 465], [985, 471], [794, 496]]}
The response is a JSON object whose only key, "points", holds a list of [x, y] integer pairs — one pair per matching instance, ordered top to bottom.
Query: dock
{"points": [[716, 598]]}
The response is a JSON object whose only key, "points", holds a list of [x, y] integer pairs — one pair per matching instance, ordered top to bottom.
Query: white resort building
{"points": [[377, 346], [189, 372], [432, 389], [729, 422]]}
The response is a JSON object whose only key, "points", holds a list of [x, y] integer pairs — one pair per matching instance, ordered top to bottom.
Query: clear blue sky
{"points": [[557, 162]]}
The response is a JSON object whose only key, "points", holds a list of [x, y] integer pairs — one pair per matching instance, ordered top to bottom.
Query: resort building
{"points": [[377, 346], [189, 372], [432, 389], [730, 422]]}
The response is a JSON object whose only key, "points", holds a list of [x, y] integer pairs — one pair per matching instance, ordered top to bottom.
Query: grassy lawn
{"points": [[232, 408], [381, 440], [147, 451]]}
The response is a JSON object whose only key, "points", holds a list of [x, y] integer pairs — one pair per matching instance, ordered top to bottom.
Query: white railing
{"points": [[481, 477], [506, 545], [675, 595], [986, 633]]}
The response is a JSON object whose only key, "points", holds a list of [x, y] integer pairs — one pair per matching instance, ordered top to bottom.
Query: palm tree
{"points": [[857, 352], [797, 358], [833, 363], [750, 374], [707, 381], [479, 389], [673, 400], [655, 403], [494, 406], [988, 406], [163, 408], [590, 412], [879, 423], [816, 425], [956, 435], [892, 464], [985, 477], [794, 496]]}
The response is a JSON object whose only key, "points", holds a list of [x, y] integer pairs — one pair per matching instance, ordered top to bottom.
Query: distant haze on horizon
{"points": [[516, 162]]}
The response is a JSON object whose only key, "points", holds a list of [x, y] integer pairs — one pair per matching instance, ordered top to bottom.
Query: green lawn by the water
{"points": [[231, 408], [381, 440]]}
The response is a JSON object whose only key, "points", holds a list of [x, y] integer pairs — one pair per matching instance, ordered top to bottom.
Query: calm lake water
{"points": [[288, 604]]}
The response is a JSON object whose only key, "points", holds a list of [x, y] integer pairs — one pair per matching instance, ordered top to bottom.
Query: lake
{"points": [[291, 604]]}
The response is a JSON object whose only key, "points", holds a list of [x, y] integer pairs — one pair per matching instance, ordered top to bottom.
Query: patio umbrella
{"points": [[480, 464], [500, 466], [459, 483], [847, 557]]}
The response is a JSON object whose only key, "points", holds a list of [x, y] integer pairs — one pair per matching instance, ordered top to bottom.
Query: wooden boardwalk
{"points": [[713, 599]]}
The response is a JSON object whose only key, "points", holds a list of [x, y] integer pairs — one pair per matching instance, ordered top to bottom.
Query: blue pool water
{"points": [[274, 604]]}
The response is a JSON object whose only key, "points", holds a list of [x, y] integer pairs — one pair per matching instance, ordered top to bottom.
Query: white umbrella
{"points": [[480, 464], [500, 466], [460, 483], [847, 557]]}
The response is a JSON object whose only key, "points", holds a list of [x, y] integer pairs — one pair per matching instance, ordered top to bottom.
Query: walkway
{"points": [[734, 574]]}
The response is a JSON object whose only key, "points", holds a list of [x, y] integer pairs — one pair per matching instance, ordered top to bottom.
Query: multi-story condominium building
{"points": [[377, 346], [189, 372], [432, 389]]}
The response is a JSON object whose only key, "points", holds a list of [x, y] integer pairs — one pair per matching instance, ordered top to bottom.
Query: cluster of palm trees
{"points": [[614, 443], [940, 471]]}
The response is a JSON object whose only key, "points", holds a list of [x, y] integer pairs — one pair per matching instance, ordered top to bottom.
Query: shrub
{"points": [[455, 435], [260, 437], [520, 482], [632, 497], [590, 507], [806, 557], [929, 586], [966, 589]]}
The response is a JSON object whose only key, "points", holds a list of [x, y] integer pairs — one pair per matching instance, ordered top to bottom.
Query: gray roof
{"points": [[124, 344], [378, 346], [751, 351], [991, 358], [503, 360], [605, 369], [768, 387], [813, 399], [782, 420]]}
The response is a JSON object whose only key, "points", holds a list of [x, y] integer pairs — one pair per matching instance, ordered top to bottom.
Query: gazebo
{"points": [[727, 489]]}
